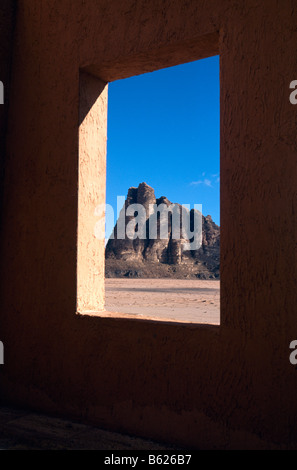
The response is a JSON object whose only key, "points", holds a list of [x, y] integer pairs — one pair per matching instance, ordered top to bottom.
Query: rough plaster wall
{"points": [[91, 184], [206, 387]]}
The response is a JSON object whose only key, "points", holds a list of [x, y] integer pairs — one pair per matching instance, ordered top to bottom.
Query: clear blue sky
{"points": [[163, 128]]}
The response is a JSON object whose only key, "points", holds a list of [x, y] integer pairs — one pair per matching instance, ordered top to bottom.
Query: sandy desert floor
{"points": [[195, 301]]}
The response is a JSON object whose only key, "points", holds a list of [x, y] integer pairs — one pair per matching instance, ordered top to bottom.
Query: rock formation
{"points": [[159, 257]]}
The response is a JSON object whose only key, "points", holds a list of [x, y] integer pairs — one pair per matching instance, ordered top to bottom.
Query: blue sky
{"points": [[163, 128]]}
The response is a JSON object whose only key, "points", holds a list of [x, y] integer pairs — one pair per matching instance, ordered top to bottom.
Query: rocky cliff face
{"points": [[149, 256]]}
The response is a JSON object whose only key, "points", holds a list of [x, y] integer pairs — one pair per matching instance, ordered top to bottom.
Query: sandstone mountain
{"points": [[153, 258]]}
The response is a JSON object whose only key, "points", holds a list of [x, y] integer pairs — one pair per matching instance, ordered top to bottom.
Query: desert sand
{"points": [[190, 301]]}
